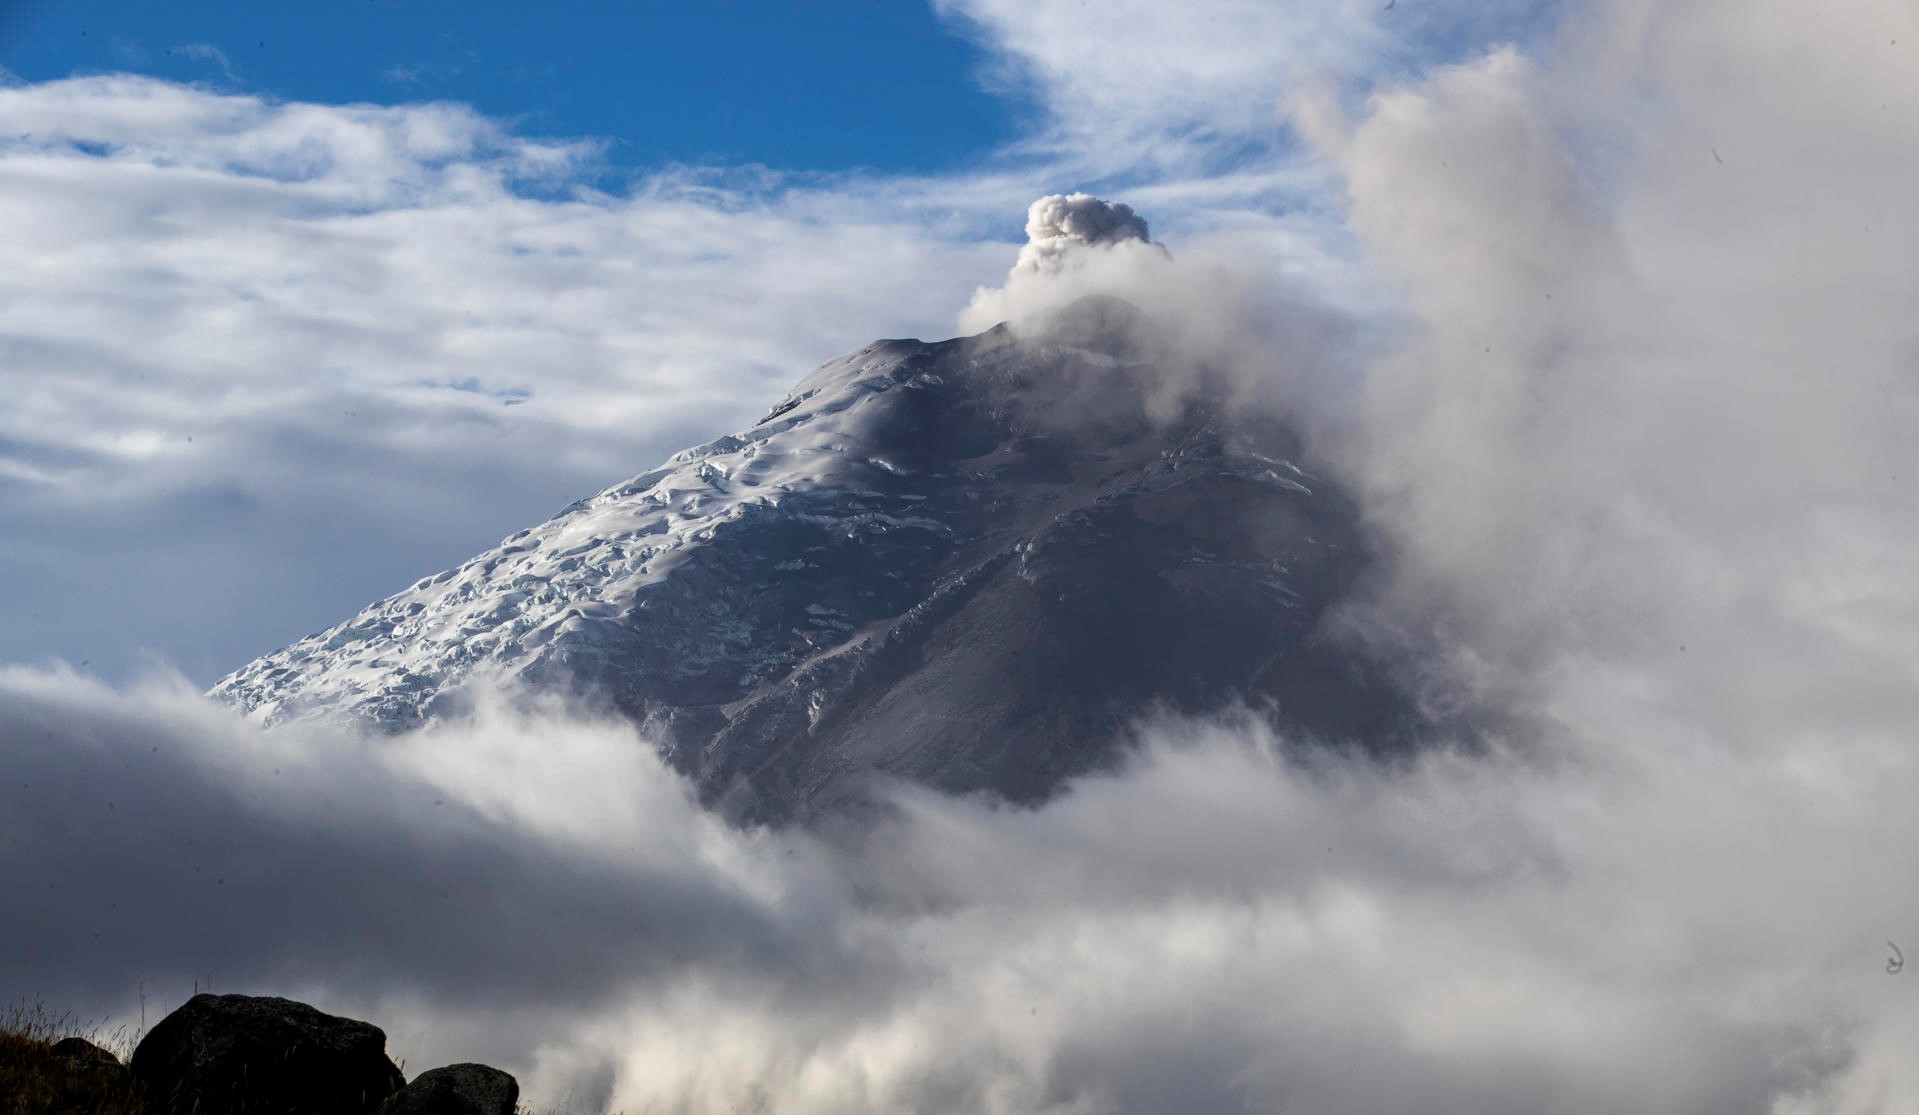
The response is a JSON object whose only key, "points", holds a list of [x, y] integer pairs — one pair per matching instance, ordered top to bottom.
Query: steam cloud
{"points": [[1059, 224], [1076, 244], [1642, 445]]}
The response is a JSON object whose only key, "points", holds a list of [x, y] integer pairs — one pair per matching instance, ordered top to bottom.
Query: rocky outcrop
{"points": [[79, 1052], [246, 1055], [250, 1055], [71, 1076], [465, 1089]]}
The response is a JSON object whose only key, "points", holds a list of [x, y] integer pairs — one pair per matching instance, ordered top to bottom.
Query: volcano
{"points": [[969, 564]]}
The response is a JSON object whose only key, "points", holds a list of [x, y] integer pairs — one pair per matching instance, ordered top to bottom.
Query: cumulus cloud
{"points": [[162, 840], [156, 843], [1221, 927]]}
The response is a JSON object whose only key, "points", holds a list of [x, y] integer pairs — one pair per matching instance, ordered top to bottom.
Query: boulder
{"points": [[80, 1051], [247, 1055], [71, 1076], [456, 1090]]}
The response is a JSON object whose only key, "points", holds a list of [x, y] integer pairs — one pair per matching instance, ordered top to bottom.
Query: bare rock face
{"points": [[246, 1055], [465, 1089]]}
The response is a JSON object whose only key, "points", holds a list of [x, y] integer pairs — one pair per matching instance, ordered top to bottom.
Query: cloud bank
{"points": [[1635, 417], [1662, 925]]}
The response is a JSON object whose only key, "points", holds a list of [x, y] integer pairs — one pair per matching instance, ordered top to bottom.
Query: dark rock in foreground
{"points": [[80, 1051], [242, 1055], [71, 1076], [464, 1089]]}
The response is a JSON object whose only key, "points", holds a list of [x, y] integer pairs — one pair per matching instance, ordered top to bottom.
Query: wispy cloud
{"points": [[207, 52], [451, 55]]}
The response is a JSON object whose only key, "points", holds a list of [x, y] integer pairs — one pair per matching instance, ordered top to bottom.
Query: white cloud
{"points": [[205, 52], [1132, 70], [1136, 91], [1061, 225], [1076, 245], [229, 326], [1654, 397], [1667, 924]]}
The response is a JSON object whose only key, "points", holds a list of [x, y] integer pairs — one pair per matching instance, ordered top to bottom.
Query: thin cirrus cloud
{"points": [[1190, 91]]}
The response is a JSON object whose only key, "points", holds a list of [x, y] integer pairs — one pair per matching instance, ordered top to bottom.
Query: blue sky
{"points": [[877, 84]]}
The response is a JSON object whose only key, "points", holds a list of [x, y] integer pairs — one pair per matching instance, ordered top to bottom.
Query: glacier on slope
{"points": [[967, 563]]}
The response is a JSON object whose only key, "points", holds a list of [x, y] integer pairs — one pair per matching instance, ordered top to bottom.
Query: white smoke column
{"points": [[1059, 224], [1076, 244]]}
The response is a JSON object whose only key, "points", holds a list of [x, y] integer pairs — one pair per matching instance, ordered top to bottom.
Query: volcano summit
{"points": [[969, 564]]}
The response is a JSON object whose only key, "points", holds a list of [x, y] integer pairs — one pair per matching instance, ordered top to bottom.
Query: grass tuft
{"points": [[34, 1081]]}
